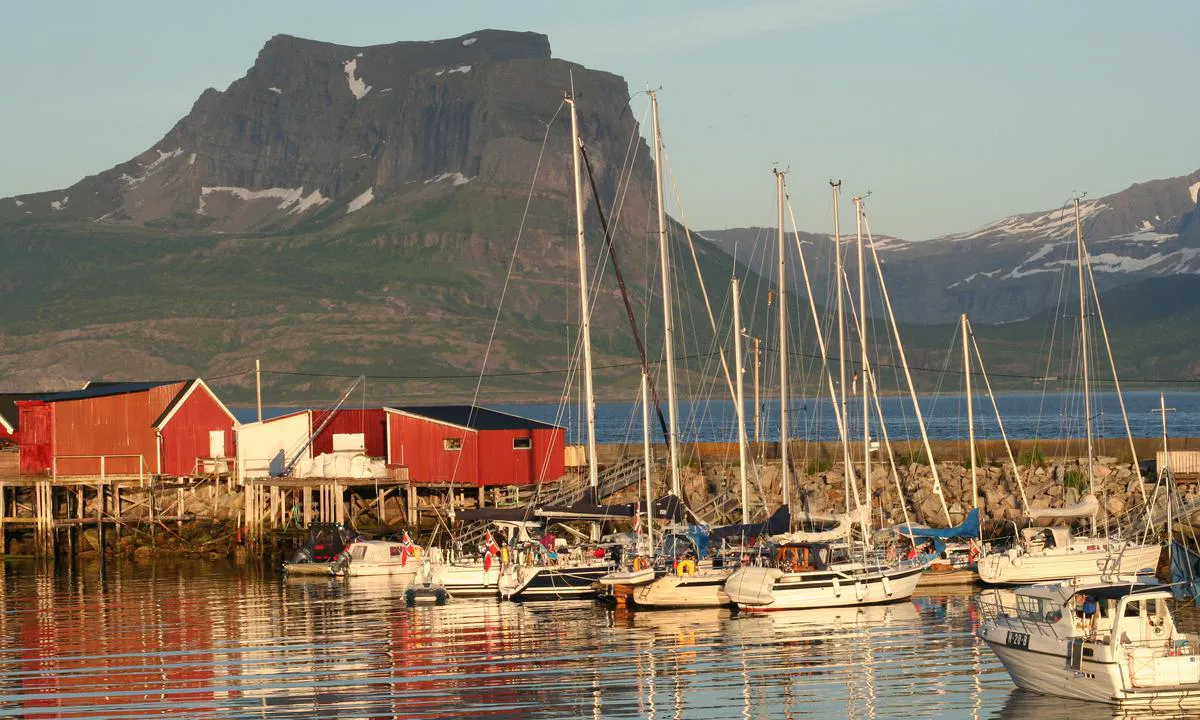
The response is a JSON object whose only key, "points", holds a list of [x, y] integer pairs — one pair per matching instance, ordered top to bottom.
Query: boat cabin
{"points": [[801, 557], [1129, 623]]}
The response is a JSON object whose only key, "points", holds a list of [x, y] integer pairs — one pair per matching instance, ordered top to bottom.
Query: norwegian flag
{"points": [[406, 549], [491, 550]]}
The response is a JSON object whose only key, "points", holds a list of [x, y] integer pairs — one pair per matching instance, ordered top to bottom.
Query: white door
{"points": [[216, 443]]}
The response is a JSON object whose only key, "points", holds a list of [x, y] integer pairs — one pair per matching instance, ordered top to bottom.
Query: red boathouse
{"points": [[163, 428], [473, 446]]}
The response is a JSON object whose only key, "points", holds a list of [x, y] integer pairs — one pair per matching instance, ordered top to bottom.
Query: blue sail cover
{"points": [[968, 529], [1185, 573]]}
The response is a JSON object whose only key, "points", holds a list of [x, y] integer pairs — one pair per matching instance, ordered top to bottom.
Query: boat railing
{"points": [[995, 608]]}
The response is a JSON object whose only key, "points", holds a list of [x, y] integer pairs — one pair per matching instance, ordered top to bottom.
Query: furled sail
{"points": [[1088, 505], [845, 524]]}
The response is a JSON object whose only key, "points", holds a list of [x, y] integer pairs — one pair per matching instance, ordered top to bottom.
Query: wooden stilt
{"points": [[308, 506]]}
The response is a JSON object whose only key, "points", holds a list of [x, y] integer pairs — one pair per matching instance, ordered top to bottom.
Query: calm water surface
{"points": [[198, 640]]}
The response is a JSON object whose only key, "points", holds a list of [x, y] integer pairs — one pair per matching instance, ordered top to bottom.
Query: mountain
{"points": [[345, 210], [1010, 269]]}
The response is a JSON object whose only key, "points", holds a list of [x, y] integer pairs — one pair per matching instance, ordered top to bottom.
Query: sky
{"points": [[951, 113]]}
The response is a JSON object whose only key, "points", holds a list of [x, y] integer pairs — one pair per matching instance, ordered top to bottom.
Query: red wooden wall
{"points": [[371, 422], [110, 425], [37, 436], [185, 436], [418, 444], [488, 455]]}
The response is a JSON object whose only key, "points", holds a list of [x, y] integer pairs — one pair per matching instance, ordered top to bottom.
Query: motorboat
{"points": [[323, 550], [1044, 554], [379, 557], [1112, 641]]}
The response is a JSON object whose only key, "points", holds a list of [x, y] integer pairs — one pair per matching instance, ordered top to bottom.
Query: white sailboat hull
{"points": [[1066, 563], [469, 580], [704, 589], [758, 589]]}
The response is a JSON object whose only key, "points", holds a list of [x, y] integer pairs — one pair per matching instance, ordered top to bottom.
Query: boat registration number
{"points": [[1017, 640]]}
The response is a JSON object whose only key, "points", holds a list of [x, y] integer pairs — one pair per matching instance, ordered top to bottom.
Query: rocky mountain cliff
{"points": [[342, 209], [1010, 269]]}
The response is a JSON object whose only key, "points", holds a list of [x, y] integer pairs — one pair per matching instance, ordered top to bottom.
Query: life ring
{"points": [[686, 567]]}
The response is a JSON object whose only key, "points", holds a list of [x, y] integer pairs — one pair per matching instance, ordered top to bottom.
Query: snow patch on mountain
{"points": [[469, 42], [450, 71], [357, 86], [275, 90], [457, 177], [1194, 191], [293, 198], [361, 201], [19, 202], [59, 204], [1035, 226], [1147, 235], [973, 276]]}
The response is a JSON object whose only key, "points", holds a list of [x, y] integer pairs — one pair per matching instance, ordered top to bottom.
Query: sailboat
{"points": [[1055, 553], [806, 569], [577, 577], [686, 577]]}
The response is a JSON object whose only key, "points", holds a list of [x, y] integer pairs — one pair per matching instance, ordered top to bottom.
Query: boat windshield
{"points": [[1038, 609]]}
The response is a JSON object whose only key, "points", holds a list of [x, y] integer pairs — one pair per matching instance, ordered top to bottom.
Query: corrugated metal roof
{"points": [[95, 390], [475, 417]]}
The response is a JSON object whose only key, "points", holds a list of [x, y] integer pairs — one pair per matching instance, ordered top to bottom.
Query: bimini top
{"points": [[474, 417], [1109, 589]]}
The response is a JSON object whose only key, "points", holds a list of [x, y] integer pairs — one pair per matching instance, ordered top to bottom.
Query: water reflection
{"points": [[199, 640]]}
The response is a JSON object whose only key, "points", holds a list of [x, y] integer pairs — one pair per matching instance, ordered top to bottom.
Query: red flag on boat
{"points": [[406, 549], [491, 549]]}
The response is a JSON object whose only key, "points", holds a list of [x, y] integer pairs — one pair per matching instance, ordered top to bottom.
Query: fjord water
{"points": [[1026, 416], [206, 640]]}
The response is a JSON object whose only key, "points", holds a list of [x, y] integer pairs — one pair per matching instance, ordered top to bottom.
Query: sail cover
{"points": [[1088, 505], [777, 523], [845, 524], [968, 528]]}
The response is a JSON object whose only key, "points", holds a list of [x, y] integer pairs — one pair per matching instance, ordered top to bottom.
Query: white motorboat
{"points": [[1052, 553], [379, 557], [802, 575], [426, 586], [1104, 641]]}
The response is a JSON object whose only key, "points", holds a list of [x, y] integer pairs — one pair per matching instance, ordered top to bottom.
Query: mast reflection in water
{"points": [[204, 640]]}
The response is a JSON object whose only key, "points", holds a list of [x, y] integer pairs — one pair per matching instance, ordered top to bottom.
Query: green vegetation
{"points": [[1033, 457], [1074, 478]]}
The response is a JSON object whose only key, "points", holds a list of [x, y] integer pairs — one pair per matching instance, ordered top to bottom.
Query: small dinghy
{"points": [[426, 587]]}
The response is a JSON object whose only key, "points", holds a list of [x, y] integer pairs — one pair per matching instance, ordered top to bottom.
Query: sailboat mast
{"points": [[668, 313], [585, 319], [841, 323], [862, 336], [1083, 354], [740, 399], [970, 410], [647, 460], [785, 483]]}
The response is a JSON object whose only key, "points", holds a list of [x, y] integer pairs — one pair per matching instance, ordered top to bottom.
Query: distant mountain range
{"points": [[354, 210], [1009, 270]]}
